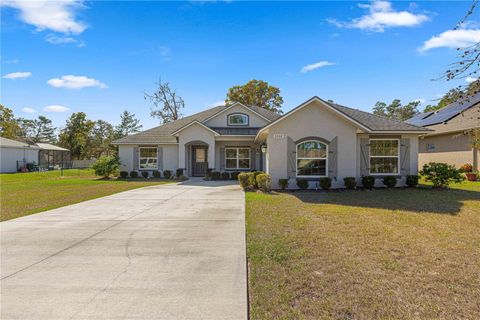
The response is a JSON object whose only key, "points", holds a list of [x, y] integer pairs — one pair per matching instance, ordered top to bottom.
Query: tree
{"points": [[468, 64], [256, 93], [455, 94], [167, 104], [395, 110], [128, 125], [9, 126], [37, 130], [76, 135], [102, 137]]}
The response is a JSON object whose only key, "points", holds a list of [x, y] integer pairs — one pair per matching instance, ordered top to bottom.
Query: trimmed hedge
{"points": [[179, 173], [123, 174], [133, 174], [145, 174], [156, 174], [167, 174], [216, 175], [225, 175], [234, 175], [244, 180], [390, 181], [412, 181], [264, 182], [350, 182], [368, 182], [283, 183], [325, 183], [302, 184]]}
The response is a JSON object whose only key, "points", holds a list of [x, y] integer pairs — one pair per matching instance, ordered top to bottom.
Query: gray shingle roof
{"points": [[374, 122], [163, 133]]}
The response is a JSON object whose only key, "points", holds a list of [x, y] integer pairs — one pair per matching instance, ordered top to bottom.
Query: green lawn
{"points": [[26, 193], [381, 254]]}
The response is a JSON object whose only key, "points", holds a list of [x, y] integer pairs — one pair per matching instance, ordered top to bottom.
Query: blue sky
{"points": [[99, 56]]}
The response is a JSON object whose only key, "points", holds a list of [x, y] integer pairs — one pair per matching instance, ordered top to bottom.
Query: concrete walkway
{"points": [[162, 252]]}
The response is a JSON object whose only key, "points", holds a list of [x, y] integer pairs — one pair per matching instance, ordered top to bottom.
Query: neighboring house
{"points": [[316, 139], [450, 142], [16, 154]]}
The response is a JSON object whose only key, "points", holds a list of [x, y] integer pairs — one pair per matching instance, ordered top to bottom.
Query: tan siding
{"points": [[450, 148]]}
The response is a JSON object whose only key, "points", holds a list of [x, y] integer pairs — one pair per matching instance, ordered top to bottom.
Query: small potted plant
{"points": [[468, 170]]}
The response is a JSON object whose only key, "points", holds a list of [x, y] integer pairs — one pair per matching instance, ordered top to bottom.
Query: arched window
{"points": [[237, 119], [312, 159]]}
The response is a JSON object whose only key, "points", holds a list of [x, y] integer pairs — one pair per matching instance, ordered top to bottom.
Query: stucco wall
{"points": [[312, 120], [222, 121], [195, 132], [222, 144], [450, 148], [10, 156], [170, 156]]}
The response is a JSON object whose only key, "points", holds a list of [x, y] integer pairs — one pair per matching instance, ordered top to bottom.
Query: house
{"points": [[316, 139], [450, 140], [16, 154]]}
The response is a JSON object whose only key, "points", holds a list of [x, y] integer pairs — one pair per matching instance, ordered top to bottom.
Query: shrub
{"points": [[106, 165], [466, 168], [179, 173], [123, 174], [133, 174], [145, 174], [156, 174], [167, 174], [208, 174], [441, 174], [216, 175], [225, 175], [234, 175], [183, 178], [254, 179], [244, 180], [412, 180], [390, 181], [264, 182], [350, 182], [368, 182], [283, 183], [325, 183], [302, 184]]}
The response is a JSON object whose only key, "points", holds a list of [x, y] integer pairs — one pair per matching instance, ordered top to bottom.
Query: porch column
{"points": [[211, 154]]}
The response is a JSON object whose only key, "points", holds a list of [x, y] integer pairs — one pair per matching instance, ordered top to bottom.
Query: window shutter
{"points": [[136, 156], [364, 157], [404, 157], [160, 158], [291, 158], [332, 158], [222, 159], [252, 159]]}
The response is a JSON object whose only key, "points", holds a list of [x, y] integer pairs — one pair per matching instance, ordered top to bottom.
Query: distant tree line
{"points": [[85, 138]]}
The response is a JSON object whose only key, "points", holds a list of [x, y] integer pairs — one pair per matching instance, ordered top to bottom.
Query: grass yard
{"points": [[26, 193], [381, 254]]}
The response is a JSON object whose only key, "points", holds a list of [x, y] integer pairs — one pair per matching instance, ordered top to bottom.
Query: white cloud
{"points": [[58, 16], [381, 16], [459, 38], [54, 39], [12, 61], [313, 66], [17, 75], [470, 79], [75, 82], [55, 108], [29, 110]]}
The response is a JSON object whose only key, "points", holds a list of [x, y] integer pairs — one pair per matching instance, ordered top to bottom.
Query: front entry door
{"points": [[199, 161]]}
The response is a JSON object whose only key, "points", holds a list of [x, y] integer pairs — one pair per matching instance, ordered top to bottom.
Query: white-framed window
{"points": [[237, 119], [384, 156], [147, 158], [237, 158], [312, 159]]}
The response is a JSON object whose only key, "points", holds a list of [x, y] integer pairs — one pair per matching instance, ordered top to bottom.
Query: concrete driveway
{"points": [[162, 252]]}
